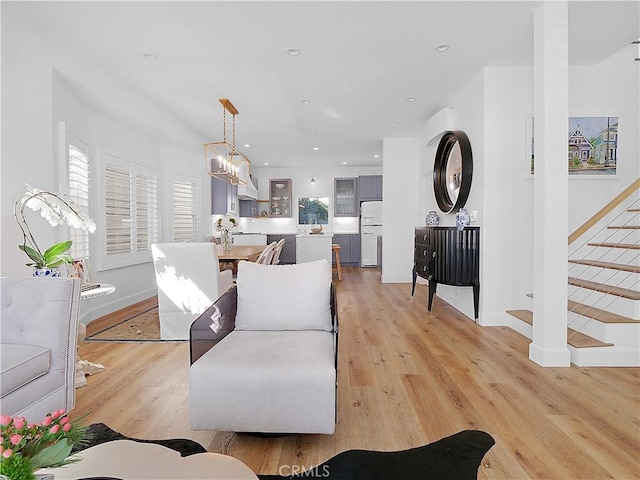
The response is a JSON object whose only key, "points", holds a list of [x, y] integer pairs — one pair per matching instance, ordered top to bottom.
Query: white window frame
{"points": [[76, 183], [184, 207], [148, 208]]}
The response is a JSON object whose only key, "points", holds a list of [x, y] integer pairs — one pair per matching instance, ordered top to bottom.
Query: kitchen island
{"points": [[310, 247]]}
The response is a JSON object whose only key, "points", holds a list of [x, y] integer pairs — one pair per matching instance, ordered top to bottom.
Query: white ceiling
{"points": [[359, 62]]}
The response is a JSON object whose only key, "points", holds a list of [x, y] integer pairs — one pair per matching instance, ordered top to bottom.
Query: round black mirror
{"points": [[452, 171]]}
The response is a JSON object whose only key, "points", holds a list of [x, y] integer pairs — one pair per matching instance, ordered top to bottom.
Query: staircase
{"points": [[604, 287]]}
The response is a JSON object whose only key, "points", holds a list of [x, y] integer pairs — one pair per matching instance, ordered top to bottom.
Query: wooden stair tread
{"points": [[633, 210], [624, 227], [628, 246], [614, 266], [601, 287], [598, 314], [574, 338]]}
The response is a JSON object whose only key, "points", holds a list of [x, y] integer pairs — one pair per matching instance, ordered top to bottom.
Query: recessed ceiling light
{"points": [[443, 47], [293, 52], [150, 56], [410, 99], [305, 101], [394, 128], [311, 130], [246, 145], [316, 148], [376, 156], [266, 163], [344, 163]]}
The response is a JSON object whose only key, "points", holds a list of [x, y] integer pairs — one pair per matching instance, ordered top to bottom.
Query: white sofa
{"points": [[189, 280], [39, 323], [264, 356]]}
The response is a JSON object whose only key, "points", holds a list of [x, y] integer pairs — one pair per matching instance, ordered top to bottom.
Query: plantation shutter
{"points": [[78, 187], [185, 208], [118, 210], [147, 231]]}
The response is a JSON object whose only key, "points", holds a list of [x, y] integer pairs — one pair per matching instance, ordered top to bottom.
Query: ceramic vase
{"points": [[432, 219], [462, 219], [47, 272]]}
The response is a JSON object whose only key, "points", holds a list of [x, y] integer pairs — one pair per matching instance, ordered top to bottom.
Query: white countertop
{"points": [[311, 235]]}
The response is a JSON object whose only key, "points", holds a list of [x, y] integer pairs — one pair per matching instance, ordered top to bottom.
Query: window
{"points": [[75, 182], [185, 211], [130, 212]]}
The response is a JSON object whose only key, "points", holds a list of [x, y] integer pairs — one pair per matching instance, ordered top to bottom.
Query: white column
{"points": [[551, 111]]}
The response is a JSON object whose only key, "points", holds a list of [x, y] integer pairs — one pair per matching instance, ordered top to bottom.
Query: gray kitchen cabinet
{"points": [[369, 188], [280, 196], [224, 197], [345, 197], [248, 208], [349, 248], [288, 254]]}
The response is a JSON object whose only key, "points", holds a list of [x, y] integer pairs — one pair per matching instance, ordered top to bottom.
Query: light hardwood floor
{"points": [[407, 377]]}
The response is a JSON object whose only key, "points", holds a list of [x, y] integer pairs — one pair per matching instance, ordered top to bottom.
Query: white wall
{"points": [[45, 82], [611, 88], [400, 207], [507, 216]]}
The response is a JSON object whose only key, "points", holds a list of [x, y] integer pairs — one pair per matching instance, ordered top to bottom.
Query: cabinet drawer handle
{"points": [[424, 253]]}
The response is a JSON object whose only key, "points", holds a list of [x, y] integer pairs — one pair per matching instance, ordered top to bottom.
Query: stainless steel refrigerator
{"points": [[370, 229]]}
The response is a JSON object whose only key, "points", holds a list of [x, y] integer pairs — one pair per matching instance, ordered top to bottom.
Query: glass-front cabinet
{"points": [[280, 193], [345, 197]]}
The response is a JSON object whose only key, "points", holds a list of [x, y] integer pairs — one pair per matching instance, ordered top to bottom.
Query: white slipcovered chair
{"points": [[277, 250], [189, 280], [39, 328], [264, 356]]}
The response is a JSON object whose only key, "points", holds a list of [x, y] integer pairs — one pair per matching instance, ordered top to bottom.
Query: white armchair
{"points": [[189, 280], [39, 326], [264, 356]]}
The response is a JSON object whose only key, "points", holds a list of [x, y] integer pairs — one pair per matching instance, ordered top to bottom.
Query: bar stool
{"points": [[338, 268]]}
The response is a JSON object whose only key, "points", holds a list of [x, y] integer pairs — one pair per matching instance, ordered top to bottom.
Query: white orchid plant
{"points": [[57, 211]]}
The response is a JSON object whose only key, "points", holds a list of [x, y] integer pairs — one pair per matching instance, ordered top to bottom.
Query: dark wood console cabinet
{"points": [[449, 256]]}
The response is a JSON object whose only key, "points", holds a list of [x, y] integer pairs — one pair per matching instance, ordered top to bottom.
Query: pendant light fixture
{"points": [[223, 159]]}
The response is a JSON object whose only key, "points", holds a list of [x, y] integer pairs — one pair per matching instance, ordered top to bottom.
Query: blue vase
{"points": [[432, 219], [462, 219], [46, 272]]}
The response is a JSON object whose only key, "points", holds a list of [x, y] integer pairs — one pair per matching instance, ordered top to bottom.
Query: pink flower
{"points": [[57, 413], [5, 420], [47, 420], [64, 420], [19, 422], [66, 427], [53, 430], [15, 439], [7, 453]]}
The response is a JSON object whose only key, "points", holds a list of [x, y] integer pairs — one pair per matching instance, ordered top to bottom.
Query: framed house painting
{"points": [[593, 146]]}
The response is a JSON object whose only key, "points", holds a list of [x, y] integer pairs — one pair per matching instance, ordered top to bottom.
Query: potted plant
{"points": [[57, 211], [225, 227], [27, 447]]}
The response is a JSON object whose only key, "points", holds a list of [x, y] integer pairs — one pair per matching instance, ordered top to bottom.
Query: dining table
{"points": [[235, 253]]}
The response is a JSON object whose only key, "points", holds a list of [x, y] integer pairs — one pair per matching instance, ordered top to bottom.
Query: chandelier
{"points": [[223, 159]]}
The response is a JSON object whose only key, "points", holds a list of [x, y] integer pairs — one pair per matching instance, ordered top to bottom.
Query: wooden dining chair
{"points": [[267, 254]]}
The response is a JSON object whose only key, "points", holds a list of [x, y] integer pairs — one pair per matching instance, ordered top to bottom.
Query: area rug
{"points": [[143, 327], [457, 457]]}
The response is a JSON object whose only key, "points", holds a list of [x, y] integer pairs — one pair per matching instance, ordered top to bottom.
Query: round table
{"points": [[126, 459]]}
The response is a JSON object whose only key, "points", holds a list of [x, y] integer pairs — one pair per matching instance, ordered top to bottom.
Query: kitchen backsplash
{"points": [[290, 225]]}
